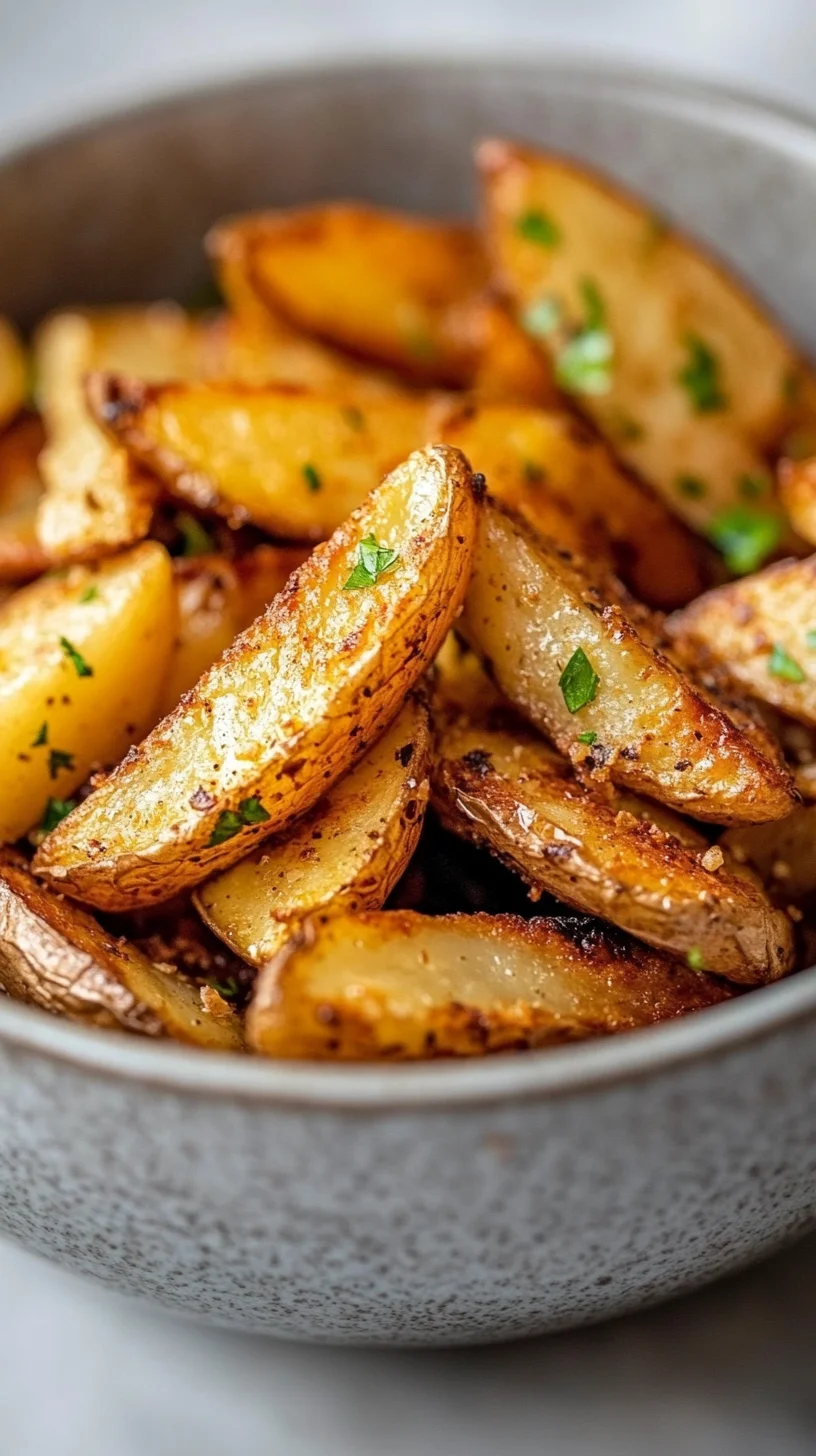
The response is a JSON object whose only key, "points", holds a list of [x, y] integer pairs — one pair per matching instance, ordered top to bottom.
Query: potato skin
{"points": [[530, 606], [289, 708], [347, 853], [605, 853], [55, 956], [394, 985]]}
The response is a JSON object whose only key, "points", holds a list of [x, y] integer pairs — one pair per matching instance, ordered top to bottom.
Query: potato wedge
{"points": [[397, 289], [271, 353], [669, 355], [510, 368], [13, 373], [797, 488], [21, 555], [761, 629], [561, 644], [82, 657], [290, 707], [499, 786], [347, 853], [782, 854], [55, 956], [397, 986]]}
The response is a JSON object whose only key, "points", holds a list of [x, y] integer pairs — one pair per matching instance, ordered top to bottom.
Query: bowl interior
{"points": [[116, 210]]}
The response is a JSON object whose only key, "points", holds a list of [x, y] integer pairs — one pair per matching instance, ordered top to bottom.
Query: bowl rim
{"points": [[379, 1088]]}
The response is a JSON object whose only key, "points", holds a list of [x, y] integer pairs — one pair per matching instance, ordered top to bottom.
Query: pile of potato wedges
{"points": [[413, 654]]}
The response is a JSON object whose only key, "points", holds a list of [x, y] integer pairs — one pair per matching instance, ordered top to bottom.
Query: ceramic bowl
{"points": [[419, 1204]]}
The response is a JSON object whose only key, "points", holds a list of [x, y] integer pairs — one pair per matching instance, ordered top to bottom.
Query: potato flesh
{"points": [[386, 286], [658, 292], [13, 373], [21, 555], [529, 608], [759, 629], [124, 634], [289, 708], [602, 852], [347, 853], [55, 956], [396, 985]]}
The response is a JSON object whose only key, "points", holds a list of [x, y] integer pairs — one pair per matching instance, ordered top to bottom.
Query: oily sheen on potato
{"points": [[561, 646], [82, 657], [291, 706], [347, 853], [395, 985]]}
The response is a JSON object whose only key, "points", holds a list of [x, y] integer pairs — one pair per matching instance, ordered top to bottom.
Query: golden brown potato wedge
{"points": [[400, 290], [271, 353], [668, 354], [510, 368], [13, 373], [21, 555], [761, 630], [561, 644], [82, 657], [291, 706], [499, 786], [347, 853], [783, 854], [55, 956], [395, 985]]}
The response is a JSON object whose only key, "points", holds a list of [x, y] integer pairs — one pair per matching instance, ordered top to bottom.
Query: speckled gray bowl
{"points": [[414, 1205]]}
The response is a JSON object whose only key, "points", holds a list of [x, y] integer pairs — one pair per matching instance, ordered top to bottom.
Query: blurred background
{"points": [[725, 1373]]}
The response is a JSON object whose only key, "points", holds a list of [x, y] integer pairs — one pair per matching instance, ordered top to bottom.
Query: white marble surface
{"points": [[726, 1373]]}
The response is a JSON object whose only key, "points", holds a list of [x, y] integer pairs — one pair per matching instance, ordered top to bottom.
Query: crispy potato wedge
{"points": [[400, 290], [668, 354], [13, 373], [293, 462], [797, 487], [21, 555], [531, 607], [761, 630], [82, 657], [289, 708], [500, 787], [347, 853], [782, 854], [55, 956], [397, 986]]}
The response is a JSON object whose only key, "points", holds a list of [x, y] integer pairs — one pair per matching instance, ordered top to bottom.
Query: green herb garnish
{"points": [[536, 227], [594, 309], [542, 318], [583, 366], [700, 377], [353, 417], [533, 472], [311, 476], [691, 486], [751, 487], [745, 537], [197, 541], [373, 562], [90, 594], [810, 639], [781, 664], [81, 667], [578, 682], [42, 736], [587, 738], [58, 760], [55, 811], [252, 811], [231, 821], [695, 959], [229, 990]]}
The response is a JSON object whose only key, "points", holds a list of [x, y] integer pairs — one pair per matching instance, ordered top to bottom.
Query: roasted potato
{"points": [[400, 290], [671, 358], [510, 369], [13, 373], [797, 487], [21, 555], [761, 630], [560, 642], [82, 657], [291, 706], [347, 853], [606, 853], [783, 854], [55, 956], [396, 986]]}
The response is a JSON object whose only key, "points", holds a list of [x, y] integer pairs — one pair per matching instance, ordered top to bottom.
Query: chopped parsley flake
{"points": [[536, 227], [594, 310], [542, 318], [584, 364], [700, 377], [353, 417], [533, 472], [312, 477], [691, 486], [751, 487], [745, 537], [196, 540], [373, 562], [90, 594], [811, 640], [781, 664], [81, 667], [578, 682], [42, 736], [588, 738], [58, 760], [55, 811], [252, 811], [231, 821], [695, 959], [229, 990]]}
